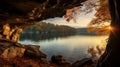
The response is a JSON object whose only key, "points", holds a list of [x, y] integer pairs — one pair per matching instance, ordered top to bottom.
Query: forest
{"points": [[48, 28]]}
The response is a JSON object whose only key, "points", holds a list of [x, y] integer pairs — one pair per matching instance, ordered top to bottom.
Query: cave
{"points": [[16, 15]]}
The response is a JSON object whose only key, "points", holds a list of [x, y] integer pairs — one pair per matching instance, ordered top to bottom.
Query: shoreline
{"points": [[21, 55]]}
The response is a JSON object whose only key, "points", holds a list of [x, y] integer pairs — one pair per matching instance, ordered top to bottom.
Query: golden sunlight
{"points": [[109, 28]]}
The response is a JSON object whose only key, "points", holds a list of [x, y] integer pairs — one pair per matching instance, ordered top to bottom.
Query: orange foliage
{"points": [[70, 13], [102, 15], [100, 30]]}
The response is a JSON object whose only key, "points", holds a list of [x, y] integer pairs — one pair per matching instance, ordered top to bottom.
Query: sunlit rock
{"points": [[6, 31], [10, 33], [16, 34], [0, 36], [10, 50], [13, 52]]}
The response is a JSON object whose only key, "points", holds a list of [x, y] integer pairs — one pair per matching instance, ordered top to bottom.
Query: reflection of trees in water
{"points": [[38, 37]]}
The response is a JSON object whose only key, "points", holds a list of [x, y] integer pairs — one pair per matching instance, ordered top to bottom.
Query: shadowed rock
{"points": [[12, 11], [15, 15], [33, 51], [59, 60], [86, 62]]}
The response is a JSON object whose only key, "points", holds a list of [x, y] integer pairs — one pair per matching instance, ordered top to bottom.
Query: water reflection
{"points": [[38, 37], [71, 47]]}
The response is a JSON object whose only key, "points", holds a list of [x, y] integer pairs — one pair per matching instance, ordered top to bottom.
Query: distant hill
{"points": [[49, 28], [83, 31]]}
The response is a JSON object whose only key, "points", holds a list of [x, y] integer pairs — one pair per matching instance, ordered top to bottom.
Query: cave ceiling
{"points": [[28, 11]]}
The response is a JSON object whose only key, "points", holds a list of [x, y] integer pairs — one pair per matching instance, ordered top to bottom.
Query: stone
{"points": [[6, 31], [11, 32], [16, 34], [0, 36], [15, 37], [19, 45], [33, 51], [12, 52], [57, 59], [45, 61], [60, 61], [86, 62]]}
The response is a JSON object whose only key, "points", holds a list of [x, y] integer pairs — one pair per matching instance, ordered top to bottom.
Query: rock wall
{"points": [[14, 14], [10, 32], [17, 50]]}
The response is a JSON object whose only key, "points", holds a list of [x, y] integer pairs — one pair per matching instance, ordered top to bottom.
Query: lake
{"points": [[72, 48]]}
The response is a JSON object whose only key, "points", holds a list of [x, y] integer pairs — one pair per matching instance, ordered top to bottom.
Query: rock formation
{"points": [[16, 15], [13, 50]]}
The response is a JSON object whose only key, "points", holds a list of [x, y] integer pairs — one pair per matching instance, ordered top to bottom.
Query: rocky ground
{"points": [[19, 55]]}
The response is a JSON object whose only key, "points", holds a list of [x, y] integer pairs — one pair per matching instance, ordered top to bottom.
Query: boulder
{"points": [[11, 51], [33, 51], [18, 55], [59, 60], [86, 62]]}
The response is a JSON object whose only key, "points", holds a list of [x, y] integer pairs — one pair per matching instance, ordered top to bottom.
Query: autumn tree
{"points": [[108, 11], [101, 21], [110, 58]]}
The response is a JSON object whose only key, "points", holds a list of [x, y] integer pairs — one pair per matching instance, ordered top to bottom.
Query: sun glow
{"points": [[109, 28]]}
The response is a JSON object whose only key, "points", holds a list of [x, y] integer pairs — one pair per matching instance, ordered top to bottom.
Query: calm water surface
{"points": [[71, 47]]}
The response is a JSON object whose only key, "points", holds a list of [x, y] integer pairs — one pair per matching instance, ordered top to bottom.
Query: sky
{"points": [[82, 20]]}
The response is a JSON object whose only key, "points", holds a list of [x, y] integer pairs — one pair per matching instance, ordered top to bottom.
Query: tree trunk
{"points": [[111, 56]]}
